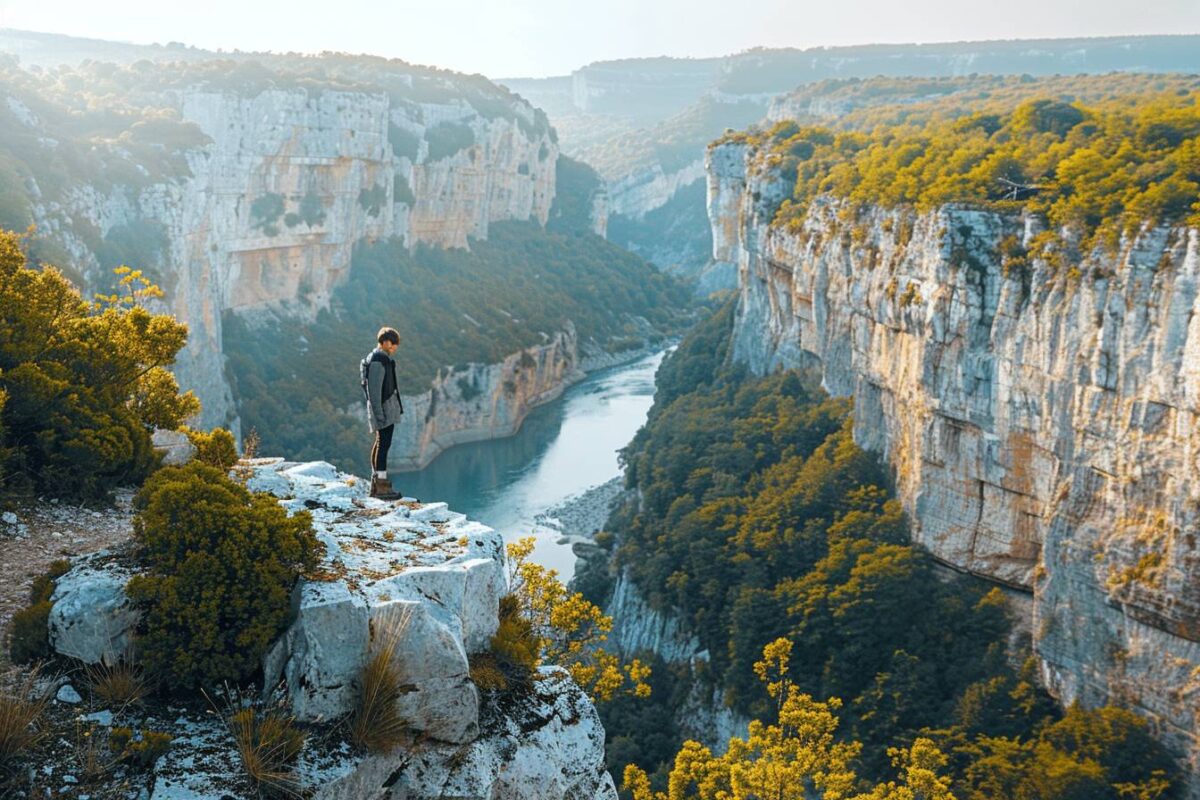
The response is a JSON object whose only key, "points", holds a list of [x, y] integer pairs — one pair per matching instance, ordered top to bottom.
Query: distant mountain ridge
{"points": [[644, 123]]}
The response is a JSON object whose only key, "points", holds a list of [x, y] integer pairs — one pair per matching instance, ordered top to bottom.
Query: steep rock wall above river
{"points": [[289, 181], [640, 192], [483, 401], [1041, 423]]}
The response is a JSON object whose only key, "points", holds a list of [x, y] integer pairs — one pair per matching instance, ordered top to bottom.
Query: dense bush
{"points": [[450, 307], [84, 383], [215, 448], [219, 564], [28, 636], [1106, 754]]}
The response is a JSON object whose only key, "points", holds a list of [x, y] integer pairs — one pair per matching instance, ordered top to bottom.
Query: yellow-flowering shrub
{"points": [[83, 383], [569, 630], [798, 757]]}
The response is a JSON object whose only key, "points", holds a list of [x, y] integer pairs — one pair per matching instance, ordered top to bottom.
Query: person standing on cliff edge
{"points": [[382, 390]]}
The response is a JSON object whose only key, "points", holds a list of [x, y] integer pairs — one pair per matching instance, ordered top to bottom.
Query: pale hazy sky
{"points": [[511, 38]]}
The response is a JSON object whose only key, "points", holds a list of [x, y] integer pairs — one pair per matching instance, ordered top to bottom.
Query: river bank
{"points": [[540, 481]]}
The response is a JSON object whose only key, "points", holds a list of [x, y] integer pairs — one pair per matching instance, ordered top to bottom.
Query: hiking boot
{"points": [[381, 488]]}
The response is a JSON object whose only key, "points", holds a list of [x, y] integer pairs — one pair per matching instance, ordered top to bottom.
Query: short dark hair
{"points": [[388, 335]]}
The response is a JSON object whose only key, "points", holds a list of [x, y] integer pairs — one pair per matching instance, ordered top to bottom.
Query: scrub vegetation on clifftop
{"points": [[1098, 156]]}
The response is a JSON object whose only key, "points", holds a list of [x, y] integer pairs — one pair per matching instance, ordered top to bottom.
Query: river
{"points": [[563, 448]]}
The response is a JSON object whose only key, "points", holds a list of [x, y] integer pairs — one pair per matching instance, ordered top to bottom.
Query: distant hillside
{"points": [[644, 123]]}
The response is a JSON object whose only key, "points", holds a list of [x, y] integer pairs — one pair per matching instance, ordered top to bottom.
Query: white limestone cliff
{"points": [[289, 182], [640, 192], [483, 401], [1040, 422]]}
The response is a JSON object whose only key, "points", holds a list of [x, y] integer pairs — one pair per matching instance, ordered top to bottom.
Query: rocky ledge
{"points": [[439, 573]]}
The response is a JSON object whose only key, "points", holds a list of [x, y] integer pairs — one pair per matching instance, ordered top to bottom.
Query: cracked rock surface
{"points": [[430, 577]]}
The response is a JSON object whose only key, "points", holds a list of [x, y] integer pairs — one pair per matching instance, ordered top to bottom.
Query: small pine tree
{"points": [[215, 448], [220, 565]]}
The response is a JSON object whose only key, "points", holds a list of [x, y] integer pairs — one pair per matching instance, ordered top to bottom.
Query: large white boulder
{"points": [[91, 619], [327, 648], [439, 698]]}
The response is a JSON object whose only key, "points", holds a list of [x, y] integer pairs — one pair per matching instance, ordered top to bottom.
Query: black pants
{"points": [[379, 450]]}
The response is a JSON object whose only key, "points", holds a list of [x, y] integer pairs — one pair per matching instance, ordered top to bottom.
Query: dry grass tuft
{"points": [[119, 685], [20, 713], [377, 725], [267, 741], [267, 744]]}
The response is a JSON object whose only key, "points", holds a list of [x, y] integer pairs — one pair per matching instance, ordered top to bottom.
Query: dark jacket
{"points": [[383, 392]]}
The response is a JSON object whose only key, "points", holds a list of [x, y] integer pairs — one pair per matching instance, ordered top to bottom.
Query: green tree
{"points": [[86, 383]]}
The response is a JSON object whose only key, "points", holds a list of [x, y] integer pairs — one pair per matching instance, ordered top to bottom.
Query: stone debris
{"points": [[584, 514], [67, 694]]}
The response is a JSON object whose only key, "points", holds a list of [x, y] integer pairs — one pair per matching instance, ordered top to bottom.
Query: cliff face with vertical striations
{"points": [[267, 212], [483, 401], [1041, 424]]}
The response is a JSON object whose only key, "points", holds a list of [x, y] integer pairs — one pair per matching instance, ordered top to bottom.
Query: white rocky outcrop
{"points": [[640, 192], [1041, 423], [423, 575], [420, 576], [549, 746]]}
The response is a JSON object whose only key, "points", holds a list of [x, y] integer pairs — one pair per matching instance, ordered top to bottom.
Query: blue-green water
{"points": [[563, 448]]}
